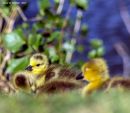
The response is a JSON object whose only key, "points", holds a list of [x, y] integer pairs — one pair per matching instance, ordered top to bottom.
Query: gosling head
{"points": [[38, 64], [95, 69]]}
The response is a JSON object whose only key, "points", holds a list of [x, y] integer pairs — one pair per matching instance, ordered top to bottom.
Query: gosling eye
{"points": [[38, 64]]}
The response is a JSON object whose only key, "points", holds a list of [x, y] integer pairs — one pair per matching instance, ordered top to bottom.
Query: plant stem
{"points": [[60, 7], [21, 14], [125, 15], [11, 20], [78, 21], [1, 22], [63, 30], [75, 32], [121, 49], [5, 60]]}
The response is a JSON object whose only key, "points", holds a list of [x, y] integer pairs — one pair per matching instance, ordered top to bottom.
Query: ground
{"points": [[72, 102]]}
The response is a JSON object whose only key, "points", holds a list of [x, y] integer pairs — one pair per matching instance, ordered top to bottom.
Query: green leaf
{"points": [[57, 1], [72, 2], [44, 4], [83, 4], [5, 11], [25, 25], [38, 25], [49, 25], [84, 29], [19, 31], [54, 35], [31, 39], [38, 40], [34, 41], [13, 42], [96, 43], [69, 46], [80, 48], [100, 51], [52, 54], [92, 54], [16, 65]]}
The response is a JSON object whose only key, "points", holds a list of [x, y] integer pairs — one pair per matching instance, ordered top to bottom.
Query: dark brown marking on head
{"points": [[38, 57]]}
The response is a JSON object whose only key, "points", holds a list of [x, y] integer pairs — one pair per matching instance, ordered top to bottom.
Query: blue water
{"points": [[104, 21]]}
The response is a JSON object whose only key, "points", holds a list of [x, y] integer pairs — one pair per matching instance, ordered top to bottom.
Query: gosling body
{"points": [[43, 72], [96, 73]]}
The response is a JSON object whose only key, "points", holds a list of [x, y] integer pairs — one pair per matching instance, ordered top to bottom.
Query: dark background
{"points": [[104, 22]]}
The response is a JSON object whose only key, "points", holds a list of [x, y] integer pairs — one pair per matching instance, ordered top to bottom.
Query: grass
{"points": [[112, 102]]}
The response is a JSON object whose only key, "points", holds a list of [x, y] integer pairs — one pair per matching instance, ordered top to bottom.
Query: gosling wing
{"points": [[59, 71]]}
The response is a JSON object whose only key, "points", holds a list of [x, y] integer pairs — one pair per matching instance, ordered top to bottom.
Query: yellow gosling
{"points": [[38, 64], [37, 67], [96, 73]]}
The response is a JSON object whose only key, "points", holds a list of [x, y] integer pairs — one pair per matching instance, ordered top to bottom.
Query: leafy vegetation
{"points": [[50, 32]]}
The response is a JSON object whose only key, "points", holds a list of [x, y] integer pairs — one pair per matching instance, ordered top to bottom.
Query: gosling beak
{"points": [[28, 68], [79, 77]]}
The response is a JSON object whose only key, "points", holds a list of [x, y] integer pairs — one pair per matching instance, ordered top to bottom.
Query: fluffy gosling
{"points": [[94, 71]]}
